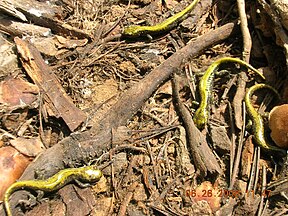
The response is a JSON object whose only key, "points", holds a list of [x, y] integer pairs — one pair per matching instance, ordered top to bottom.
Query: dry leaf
{"points": [[15, 92], [30, 147]]}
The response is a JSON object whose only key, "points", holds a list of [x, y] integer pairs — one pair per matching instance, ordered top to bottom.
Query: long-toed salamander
{"points": [[166, 25], [201, 115], [257, 120], [86, 174]]}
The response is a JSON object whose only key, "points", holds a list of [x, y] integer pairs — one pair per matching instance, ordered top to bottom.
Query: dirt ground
{"points": [[76, 91]]}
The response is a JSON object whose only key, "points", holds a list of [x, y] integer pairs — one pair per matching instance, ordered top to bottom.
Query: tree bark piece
{"points": [[9, 8], [39, 14], [20, 29], [55, 97], [202, 155]]}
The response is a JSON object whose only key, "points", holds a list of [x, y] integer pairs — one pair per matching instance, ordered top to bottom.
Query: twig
{"points": [[247, 42], [232, 147], [117, 149], [238, 154], [202, 155], [154, 165], [257, 169], [252, 173], [263, 189], [127, 199]]}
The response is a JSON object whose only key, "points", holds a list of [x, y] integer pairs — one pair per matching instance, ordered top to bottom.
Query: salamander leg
{"points": [[150, 38], [222, 73], [195, 103], [265, 115], [249, 125], [82, 184], [40, 194], [27, 204]]}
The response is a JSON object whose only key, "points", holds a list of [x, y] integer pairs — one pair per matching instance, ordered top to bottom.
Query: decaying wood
{"points": [[281, 6], [8, 8], [38, 13], [20, 29], [282, 37], [58, 102], [90, 144], [203, 158], [77, 200]]}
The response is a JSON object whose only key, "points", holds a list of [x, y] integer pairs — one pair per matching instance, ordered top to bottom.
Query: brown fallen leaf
{"points": [[69, 43], [56, 45], [8, 58], [166, 88], [16, 91], [14, 121], [30, 147], [12, 165], [101, 186], [140, 193]]}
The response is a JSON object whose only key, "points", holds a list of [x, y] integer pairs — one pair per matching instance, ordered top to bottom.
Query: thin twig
{"points": [[247, 42], [233, 138], [238, 154], [153, 164], [257, 169], [252, 172], [263, 189], [127, 199]]}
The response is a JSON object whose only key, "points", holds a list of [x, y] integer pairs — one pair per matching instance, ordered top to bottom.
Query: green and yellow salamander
{"points": [[166, 25], [201, 115], [257, 120], [87, 174]]}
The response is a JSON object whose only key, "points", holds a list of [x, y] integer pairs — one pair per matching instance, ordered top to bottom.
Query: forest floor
{"points": [[76, 91]]}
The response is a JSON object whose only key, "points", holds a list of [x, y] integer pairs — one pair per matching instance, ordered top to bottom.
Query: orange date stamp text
{"points": [[224, 193]]}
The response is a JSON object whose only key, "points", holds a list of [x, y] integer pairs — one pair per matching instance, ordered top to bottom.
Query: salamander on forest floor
{"points": [[166, 25], [202, 114], [257, 120], [87, 174]]}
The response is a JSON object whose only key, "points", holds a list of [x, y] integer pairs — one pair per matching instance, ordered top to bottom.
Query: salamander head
{"points": [[132, 31], [201, 118], [200, 123], [91, 174]]}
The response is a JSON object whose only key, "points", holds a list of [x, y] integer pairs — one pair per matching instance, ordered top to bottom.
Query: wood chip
{"points": [[58, 102]]}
